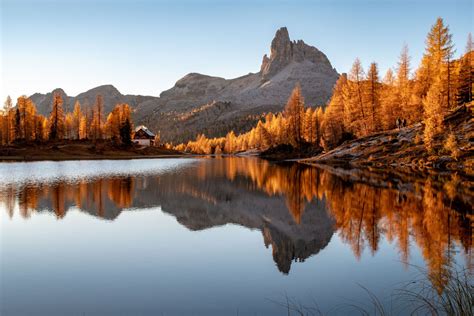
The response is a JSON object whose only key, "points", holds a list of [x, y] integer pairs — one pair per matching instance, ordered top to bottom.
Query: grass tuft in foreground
{"points": [[422, 296]]}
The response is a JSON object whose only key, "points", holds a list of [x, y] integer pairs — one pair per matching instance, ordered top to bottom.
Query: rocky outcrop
{"points": [[284, 52], [402, 150]]}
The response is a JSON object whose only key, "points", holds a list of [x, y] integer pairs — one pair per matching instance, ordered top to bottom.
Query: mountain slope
{"points": [[110, 94], [199, 103], [212, 105]]}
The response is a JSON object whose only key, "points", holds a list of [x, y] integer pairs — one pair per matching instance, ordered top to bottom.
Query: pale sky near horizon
{"points": [[144, 47]]}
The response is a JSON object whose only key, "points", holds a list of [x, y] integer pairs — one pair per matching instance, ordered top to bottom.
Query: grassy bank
{"points": [[77, 150]]}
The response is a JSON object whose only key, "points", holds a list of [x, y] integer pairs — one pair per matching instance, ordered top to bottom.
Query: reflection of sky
{"points": [[77, 170], [147, 262]]}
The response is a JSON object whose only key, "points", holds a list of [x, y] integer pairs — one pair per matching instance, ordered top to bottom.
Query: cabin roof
{"points": [[145, 129]]}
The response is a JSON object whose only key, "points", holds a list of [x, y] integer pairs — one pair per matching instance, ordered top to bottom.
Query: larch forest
{"points": [[362, 104]]}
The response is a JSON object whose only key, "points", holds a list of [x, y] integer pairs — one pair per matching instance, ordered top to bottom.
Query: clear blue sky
{"points": [[143, 47]]}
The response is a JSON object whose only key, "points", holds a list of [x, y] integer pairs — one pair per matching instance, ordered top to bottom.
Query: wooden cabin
{"points": [[143, 136]]}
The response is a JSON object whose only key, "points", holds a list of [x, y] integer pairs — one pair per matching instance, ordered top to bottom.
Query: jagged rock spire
{"points": [[283, 51]]}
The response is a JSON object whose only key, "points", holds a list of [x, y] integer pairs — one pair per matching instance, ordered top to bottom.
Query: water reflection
{"points": [[297, 208]]}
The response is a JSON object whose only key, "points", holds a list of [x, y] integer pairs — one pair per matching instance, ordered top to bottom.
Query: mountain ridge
{"points": [[199, 103]]}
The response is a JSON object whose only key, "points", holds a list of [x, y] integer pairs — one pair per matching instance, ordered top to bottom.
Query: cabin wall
{"points": [[142, 142]]}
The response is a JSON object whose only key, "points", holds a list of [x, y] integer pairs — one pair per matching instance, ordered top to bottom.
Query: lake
{"points": [[217, 236]]}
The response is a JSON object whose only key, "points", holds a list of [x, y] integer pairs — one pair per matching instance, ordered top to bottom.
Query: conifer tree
{"points": [[438, 54], [466, 74], [372, 97], [390, 102], [433, 104], [21, 106], [8, 108], [409, 110], [27, 111], [293, 114], [355, 114], [98, 117], [30, 119], [56, 119], [76, 120], [317, 120], [116, 121], [40, 123], [333, 123], [17, 124], [69, 124], [113, 125], [308, 125], [83, 128], [277, 128], [126, 132], [263, 136], [3, 138], [229, 142]]}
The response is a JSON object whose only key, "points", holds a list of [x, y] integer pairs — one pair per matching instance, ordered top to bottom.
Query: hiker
{"points": [[398, 122], [404, 122]]}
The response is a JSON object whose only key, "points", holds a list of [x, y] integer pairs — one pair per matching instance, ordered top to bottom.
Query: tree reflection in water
{"points": [[296, 207]]}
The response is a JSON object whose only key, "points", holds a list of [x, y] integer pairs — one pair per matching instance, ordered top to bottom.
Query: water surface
{"points": [[222, 236]]}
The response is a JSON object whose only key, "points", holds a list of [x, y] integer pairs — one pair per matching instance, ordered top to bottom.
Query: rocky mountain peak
{"points": [[283, 51], [59, 90], [103, 90]]}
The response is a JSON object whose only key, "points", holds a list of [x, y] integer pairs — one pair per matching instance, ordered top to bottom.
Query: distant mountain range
{"points": [[212, 105]]}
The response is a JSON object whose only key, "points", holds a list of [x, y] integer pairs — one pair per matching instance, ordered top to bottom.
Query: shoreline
{"points": [[81, 150], [105, 157]]}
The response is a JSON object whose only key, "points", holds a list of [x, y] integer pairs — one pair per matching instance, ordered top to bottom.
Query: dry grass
{"points": [[418, 297]]}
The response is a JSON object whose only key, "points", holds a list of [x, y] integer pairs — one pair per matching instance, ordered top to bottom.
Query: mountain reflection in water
{"points": [[297, 208]]}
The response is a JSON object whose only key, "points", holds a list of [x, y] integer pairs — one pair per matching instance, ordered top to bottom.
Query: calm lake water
{"points": [[224, 236]]}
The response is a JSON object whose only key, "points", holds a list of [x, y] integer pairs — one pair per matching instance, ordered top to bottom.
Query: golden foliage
{"points": [[361, 104], [22, 122], [451, 146]]}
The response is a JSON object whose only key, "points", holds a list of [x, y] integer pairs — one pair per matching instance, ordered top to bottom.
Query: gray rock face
{"points": [[284, 52], [281, 53], [110, 94], [44, 102], [212, 105]]}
